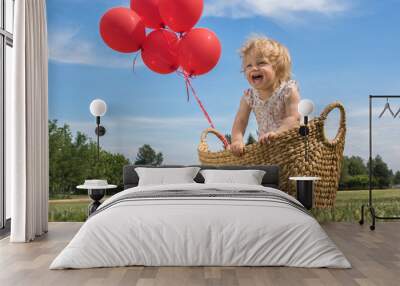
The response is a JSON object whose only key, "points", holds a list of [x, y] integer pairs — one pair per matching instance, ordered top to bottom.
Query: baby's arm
{"points": [[292, 119], [239, 126]]}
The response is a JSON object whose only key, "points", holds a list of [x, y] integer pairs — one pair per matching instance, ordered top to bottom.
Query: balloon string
{"points": [[134, 62], [184, 75], [189, 85], [187, 89]]}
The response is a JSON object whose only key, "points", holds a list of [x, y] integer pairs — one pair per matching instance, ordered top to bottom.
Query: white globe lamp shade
{"points": [[98, 107], [305, 107]]}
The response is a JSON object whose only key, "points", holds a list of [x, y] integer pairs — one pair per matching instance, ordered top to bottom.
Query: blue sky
{"points": [[341, 50]]}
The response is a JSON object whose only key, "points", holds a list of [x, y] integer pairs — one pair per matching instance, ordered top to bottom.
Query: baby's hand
{"points": [[247, 92], [266, 138], [237, 148]]}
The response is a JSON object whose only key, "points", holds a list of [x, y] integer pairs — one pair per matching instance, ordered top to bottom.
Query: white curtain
{"points": [[27, 123]]}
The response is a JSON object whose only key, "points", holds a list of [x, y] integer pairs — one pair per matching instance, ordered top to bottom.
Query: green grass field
{"points": [[348, 203], [73, 209]]}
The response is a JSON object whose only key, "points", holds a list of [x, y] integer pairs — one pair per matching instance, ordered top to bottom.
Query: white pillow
{"points": [[165, 176], [249, 177]]}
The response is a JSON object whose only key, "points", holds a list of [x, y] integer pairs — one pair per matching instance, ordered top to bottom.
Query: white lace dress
{"points": [[270, 113]]}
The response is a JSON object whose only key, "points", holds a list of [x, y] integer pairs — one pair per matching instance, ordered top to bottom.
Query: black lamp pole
{"points": [[100, 131], [304, 131], [98, 137]]}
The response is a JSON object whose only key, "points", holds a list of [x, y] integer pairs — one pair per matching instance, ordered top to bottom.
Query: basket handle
{"points": [[342, 123], [203, 137]]}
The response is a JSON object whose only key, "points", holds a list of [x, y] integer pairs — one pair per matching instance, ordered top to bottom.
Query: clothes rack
{"points": [[370, 206]]}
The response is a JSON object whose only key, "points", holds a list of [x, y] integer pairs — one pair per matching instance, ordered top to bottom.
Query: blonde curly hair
{"points": [[277, 54]]}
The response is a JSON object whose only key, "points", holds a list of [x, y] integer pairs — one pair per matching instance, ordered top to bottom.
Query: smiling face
{"points": [[266, 63], [259, 71]]}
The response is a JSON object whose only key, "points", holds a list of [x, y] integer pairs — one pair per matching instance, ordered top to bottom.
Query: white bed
{"points": [[183, 230]]}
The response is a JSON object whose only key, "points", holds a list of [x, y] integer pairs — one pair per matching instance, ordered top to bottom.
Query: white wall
{"points": [[8, 85]]}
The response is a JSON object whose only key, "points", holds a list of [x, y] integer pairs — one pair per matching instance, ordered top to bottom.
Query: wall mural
{"points": [[172, 74]]}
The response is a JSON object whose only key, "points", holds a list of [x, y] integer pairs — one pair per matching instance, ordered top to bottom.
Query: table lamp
{"points": [[98, 108], [305, 108]]}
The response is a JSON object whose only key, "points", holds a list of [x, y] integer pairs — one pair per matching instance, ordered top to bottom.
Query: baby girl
{"points": [[273, 96]]}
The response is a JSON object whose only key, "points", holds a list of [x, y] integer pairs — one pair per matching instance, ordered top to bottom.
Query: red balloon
{"points": [[148, 10], [180, 15], [122, 30], [160, 51], [199, 51]]}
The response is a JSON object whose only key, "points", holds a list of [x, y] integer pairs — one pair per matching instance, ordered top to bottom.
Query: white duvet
{"points": [[200, 231]]}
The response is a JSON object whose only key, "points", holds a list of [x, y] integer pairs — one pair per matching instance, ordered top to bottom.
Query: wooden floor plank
{"points": [[375, 257]]}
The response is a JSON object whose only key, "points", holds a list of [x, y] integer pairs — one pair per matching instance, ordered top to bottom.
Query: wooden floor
{"points": [[375, 257]]}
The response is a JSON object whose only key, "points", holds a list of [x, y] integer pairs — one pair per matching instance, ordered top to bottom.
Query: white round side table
{"points": [[305, 190], [96, 193]]}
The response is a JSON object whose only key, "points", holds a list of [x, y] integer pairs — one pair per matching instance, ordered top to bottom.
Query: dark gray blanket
{"points": [[204, 193]]}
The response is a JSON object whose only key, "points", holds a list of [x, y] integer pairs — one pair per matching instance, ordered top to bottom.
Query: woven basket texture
{"points": [[288, 152]]}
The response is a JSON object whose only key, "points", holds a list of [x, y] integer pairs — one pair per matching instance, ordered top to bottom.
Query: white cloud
{"points": [[283, 10], [67, 46], [363, 113], [150, 122], [384, 132], [383, 142]]}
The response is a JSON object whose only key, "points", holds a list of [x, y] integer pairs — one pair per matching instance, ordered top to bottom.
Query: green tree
{"points": [[228, 138], [250, 139], [60, 154], [147, 156], [74, 159], [356, 166], [109, 167], [344, 173], [381, 173], [355, 174], [396, 178], [357, 182]]}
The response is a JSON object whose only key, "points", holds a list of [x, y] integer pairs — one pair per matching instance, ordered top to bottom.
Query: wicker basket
{"points": [[288, 152]]}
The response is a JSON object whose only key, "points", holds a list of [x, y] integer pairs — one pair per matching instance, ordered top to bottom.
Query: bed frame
{"points": [[270, 179]]}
